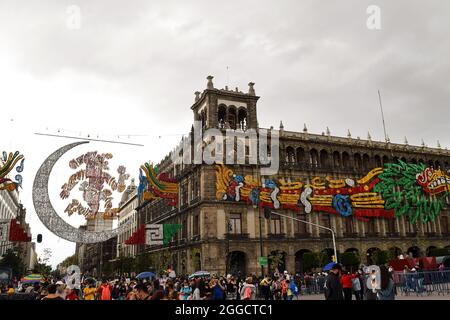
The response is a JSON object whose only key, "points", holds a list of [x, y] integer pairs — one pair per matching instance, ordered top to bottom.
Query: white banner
{"points": [[4, 226], [154, 234]]}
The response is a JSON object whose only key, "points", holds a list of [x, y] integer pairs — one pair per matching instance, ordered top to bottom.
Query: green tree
{"points": [[437, 252], [380, 257], [323, 258], [11, 259], [275, 260], [310, 260], [350, 260], [43, 269]]}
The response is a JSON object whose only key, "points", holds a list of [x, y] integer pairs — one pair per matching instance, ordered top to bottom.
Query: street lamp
{"points": [[268, 212], [260, 237]]}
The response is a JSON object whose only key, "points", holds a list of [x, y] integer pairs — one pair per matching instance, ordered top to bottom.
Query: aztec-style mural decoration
{"points": [[7, 164], [93, 180], [155, 186], [411, 190], [154, 234]]}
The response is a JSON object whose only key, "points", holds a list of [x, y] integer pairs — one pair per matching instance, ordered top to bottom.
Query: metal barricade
{"points": [[422, 282]]}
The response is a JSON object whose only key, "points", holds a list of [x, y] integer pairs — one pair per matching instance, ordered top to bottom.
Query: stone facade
{"points": [[214, 229]]}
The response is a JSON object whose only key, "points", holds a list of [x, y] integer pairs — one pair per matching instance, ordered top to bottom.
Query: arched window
{"points": [[221, 115], [232, 117], [203, 118], [242, 119], [290, 155], [300, 155], [314, 158], [323, 158], [336, 159], [385, 159], [403, 159], [345, 160], [358, 161], [366, 161], [413, 161], [378, 162], [430, 163], [437, 164]]}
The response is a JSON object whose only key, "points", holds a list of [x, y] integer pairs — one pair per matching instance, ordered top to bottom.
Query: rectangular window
{"points": [[325, 220], [235, 223], [275, 224], [444, 224], [196, 225], [349, 226], [370, 226], [390, 226], [300, 227], [184, 229]]}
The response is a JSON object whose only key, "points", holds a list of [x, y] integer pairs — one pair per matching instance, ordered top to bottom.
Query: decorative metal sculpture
{"points": [[7, 163], [93, 179], [398, 189], [47, 213]]}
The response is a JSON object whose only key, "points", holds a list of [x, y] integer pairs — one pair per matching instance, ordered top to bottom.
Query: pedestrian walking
{"points": [[333, 287]]}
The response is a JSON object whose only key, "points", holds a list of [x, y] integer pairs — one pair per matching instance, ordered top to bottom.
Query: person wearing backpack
{"points": [[248, 290]]}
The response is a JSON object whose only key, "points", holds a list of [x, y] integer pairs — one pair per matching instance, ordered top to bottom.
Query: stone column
{"points": [[251, 225]]}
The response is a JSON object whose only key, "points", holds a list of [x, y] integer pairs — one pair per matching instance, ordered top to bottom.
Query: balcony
{"points": [[350, 234], [372, 234], [392, 234], [411, 234], [430, 234], [276, 235], [302, 235], [326, 235], [236, 236]]}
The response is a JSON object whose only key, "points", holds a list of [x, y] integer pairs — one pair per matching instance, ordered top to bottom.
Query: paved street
{"points": [[398, 297]]}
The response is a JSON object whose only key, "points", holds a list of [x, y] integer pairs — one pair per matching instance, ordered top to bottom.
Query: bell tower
{"points": [[225, 108]]}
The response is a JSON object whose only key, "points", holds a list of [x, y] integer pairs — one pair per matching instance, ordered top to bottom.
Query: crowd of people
{"points": [[337, 284], [364, 285]]}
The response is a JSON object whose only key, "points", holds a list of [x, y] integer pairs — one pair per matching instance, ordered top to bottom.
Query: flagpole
{"points": [[382, 117]]}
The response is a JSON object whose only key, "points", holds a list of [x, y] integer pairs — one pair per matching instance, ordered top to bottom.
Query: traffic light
{"points": [[267, 212], [39, 238]]}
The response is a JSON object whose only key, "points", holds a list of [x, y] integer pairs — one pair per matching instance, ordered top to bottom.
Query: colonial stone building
{"points": [[215, 228]]}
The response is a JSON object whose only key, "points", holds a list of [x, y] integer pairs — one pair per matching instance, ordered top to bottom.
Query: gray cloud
{"points": [[140, 62]]}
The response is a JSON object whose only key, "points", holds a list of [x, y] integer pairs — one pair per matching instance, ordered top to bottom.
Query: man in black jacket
{"points": [[333, 287]]}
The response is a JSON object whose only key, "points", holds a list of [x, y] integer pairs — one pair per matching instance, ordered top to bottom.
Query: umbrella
{"points": [[329, 266], [146, 274], [200, 274], [32, 278]]}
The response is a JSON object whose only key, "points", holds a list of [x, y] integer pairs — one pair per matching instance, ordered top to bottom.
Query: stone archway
{"points": [[429, 250], [414, 252], [371, 254], [277, 260], [237, 263], [299, 265]]}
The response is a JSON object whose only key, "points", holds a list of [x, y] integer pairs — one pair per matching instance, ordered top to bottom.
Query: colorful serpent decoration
{"points": [[7, 164], [399, 189]]}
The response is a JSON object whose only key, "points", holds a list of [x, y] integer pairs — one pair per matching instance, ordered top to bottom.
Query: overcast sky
{"points": [[132, 67]]}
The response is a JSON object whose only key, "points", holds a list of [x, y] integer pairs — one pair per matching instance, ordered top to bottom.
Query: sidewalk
{"points": [[398, 297]]}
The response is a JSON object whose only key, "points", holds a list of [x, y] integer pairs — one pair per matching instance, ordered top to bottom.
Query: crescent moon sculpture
{"points": [[47, 213]]}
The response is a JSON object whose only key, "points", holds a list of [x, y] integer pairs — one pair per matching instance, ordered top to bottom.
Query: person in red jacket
{"points": [[346, 282], [104, 291]]}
